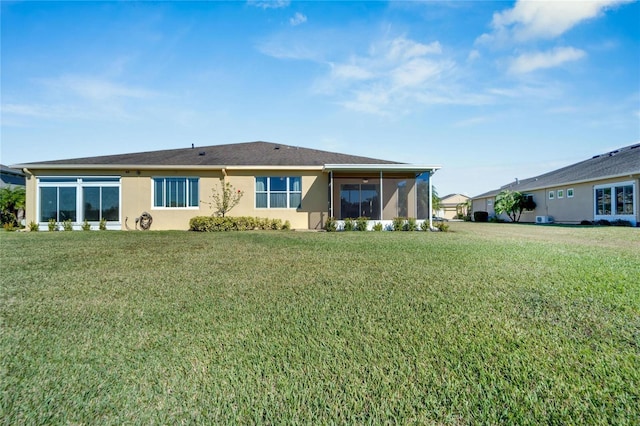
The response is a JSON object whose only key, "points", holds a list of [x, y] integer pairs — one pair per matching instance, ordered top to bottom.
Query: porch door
{"points": [[359, 199]]}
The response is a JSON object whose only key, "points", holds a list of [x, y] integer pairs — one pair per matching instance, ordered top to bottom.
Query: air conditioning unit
{"points": [[544, 219]]}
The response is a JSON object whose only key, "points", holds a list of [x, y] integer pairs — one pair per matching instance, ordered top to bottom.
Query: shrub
{"points": [[480, 216], [586, 222], [603, 222], [621, 222], [239, 223], [361, 223], [103, 224], [349, 224], [397, 224], [411, 224], [53, 225], [67, 225], [331, 225], [425, 225], [8, 226], [33, 226], [86, 226], [442, 226], [377, 227]]}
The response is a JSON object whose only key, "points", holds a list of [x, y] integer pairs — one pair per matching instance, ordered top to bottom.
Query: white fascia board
{"points": [[35, 166], [274, 167], [381, 167]]}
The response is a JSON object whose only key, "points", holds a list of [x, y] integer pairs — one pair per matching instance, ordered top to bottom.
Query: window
{"points": [[175, 192], [278, 192], [560, 193], [570, 193], [552, 195], [79, 199], [615, 199], [359, 200]]}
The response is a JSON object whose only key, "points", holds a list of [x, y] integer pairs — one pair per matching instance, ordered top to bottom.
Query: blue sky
{"points": [[490, 91]]}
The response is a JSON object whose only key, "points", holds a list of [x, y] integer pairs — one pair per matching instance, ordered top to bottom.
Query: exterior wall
{"points": [[136, 192], [449, 206], [569, 210], [312, 213]]}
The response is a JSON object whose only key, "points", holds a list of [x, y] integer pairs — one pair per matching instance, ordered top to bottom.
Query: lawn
{"points": [[490, 323]]}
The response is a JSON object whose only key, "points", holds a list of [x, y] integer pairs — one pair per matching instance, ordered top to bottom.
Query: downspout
{"points": [[331, 193], [381, 196], [430, 200]]}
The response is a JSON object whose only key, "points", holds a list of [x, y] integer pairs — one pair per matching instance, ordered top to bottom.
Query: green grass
{"points": [[491, 323]]}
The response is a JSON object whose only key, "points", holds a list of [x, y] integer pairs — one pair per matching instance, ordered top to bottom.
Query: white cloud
{"points": [[269, 4], [298, 19], [529, 20], [473, 55], [529, 62], [392, 74], [96, 89]]}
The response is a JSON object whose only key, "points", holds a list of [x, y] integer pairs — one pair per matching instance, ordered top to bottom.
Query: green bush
{"points": [[238, 223], [361, 223], [103, 224], [349, 224], [398, 224], [411, 224], [53, 225], [67, 225], [331, 225], [425, 225], [8, 226], [33, 226], [86, 226], [441, 226], [377, 227]]}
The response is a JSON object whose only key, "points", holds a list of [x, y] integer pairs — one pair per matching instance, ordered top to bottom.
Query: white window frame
{"points": [[80, 182], [268, 192], [164, 193], [560, 193], [570, 193], [552, 195], [614, 214]]}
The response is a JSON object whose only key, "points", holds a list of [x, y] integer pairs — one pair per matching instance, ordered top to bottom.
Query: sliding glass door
{"points": [[359, 200]]}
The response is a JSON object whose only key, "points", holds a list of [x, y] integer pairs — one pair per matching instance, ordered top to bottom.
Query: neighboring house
{"points": [[11, 177], [301, 185], [604, 187], [451, 206]]}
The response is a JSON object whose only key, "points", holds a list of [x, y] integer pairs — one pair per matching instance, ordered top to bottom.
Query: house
{"points": [[11, 177], [304, 186], [604, 187], [452, 205]]}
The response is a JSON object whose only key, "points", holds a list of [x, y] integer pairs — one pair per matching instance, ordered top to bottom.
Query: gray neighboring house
{"points": [[11, 177], [604, 187]]}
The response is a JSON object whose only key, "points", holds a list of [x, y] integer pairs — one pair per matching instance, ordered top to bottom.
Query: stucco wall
{"points": [[136, 193], [570, 210]]}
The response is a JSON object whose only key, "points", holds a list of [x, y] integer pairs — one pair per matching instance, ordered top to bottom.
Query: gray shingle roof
{"points": [[239, 154], [620, 162]]}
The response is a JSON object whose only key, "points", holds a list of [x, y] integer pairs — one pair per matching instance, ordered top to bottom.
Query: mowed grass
{"points": [[491, 323]]}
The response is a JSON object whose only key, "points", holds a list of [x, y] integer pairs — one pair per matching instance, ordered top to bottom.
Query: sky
{"points": [[489, 91]]}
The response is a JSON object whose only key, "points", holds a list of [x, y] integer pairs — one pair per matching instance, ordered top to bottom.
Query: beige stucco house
{"points": [[304, 186], [604, 187], [452, 205]]}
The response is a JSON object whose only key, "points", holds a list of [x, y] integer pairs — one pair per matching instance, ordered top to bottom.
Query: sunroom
{"points": [[380, 192]]}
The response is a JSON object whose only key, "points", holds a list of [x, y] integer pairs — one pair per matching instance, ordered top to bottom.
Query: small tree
{"points": [[226, 199], [12, 200], [513, 203]]}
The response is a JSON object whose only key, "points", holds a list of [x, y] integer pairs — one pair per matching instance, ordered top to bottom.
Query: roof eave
{"points": [[380, 168]]}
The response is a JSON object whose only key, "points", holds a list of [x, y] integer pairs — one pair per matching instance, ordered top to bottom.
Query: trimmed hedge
{"points": [[239, 223]]}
